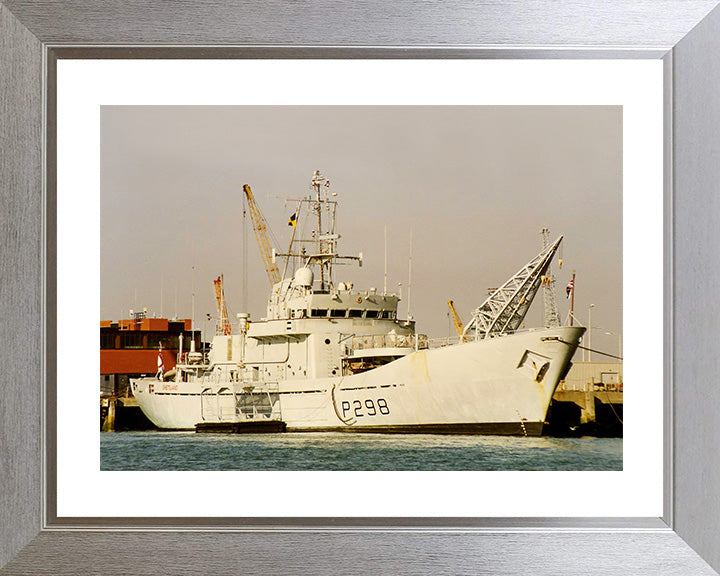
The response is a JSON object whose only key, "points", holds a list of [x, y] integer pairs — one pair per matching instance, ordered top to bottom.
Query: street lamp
{"points": [[590, 332], [619, 343]]}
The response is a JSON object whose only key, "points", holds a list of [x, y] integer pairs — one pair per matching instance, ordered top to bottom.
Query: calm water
{"points": [[339, 451]]}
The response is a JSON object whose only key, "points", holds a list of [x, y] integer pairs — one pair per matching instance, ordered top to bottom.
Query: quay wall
{"points": [[589, 402]]}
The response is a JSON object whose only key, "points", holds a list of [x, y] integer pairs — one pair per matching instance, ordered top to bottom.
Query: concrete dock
{"points": [[589, 402], [122, 414]]}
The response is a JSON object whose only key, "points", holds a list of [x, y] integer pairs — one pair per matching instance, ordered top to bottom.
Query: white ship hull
{"points": [[330, 357], [501, 385]]}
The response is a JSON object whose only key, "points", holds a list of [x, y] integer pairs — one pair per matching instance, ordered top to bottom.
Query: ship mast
{"points": [[317, 181], [324, 253]]}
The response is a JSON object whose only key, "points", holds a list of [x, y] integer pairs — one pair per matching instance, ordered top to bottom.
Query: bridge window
{"points": [[315, 313], [337, 313], [355, 313], [371, 314]]}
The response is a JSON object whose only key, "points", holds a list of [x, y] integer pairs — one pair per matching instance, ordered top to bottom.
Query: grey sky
{"points": [[474, 184]]}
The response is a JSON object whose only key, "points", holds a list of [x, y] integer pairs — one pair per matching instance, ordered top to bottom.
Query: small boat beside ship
{"points": [[330, 357]]}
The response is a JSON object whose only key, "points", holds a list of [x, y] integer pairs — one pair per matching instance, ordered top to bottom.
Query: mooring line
{"points": [[590, 349]]}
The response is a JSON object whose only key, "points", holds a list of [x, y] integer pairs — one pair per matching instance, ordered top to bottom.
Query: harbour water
{"points": [[156, 450]]}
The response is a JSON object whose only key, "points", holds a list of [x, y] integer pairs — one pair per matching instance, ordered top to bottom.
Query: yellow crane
{"points": [[263, 238], [456, 319], [225, 327]]}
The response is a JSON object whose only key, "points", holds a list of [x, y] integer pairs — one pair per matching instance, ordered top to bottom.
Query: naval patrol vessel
{"points": [[330, 357]]}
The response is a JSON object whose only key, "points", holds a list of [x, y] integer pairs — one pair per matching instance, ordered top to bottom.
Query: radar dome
{"points": [[303, 277]]}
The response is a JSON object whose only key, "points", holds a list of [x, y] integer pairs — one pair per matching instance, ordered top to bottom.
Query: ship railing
{"points": [[450, 340], [378, 341], [442, 342], [254, 375], [214, 378], [579, 386], [217, 399], [227, 405], [227, 412], [239, 416]]}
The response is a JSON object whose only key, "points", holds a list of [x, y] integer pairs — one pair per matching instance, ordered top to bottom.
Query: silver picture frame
{"points": [[684, 34]]}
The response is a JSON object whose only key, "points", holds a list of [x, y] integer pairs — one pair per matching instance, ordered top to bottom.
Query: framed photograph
{"points": [[608, 115], [451, 174]]}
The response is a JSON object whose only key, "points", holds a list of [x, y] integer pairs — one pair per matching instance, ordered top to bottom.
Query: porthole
{"points": [[327, 340]]}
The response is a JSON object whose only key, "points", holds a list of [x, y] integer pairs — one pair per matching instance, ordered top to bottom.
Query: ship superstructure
{"points": [[328, 356]]}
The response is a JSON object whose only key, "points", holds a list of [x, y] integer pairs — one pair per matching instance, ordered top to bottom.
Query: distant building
{"points": [[129, 349], [587, 376]]}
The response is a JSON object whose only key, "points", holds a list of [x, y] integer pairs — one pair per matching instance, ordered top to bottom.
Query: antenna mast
{"points": [[317, 181], [323, 253], [244, 258], [409, 275], [385, 278], [572, 299], [192, 303], [552, 316]]}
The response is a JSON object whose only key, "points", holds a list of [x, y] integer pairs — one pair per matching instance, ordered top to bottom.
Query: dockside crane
{"points": [[263, 238], [505, 309], [459, 326], [225, 327]]}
